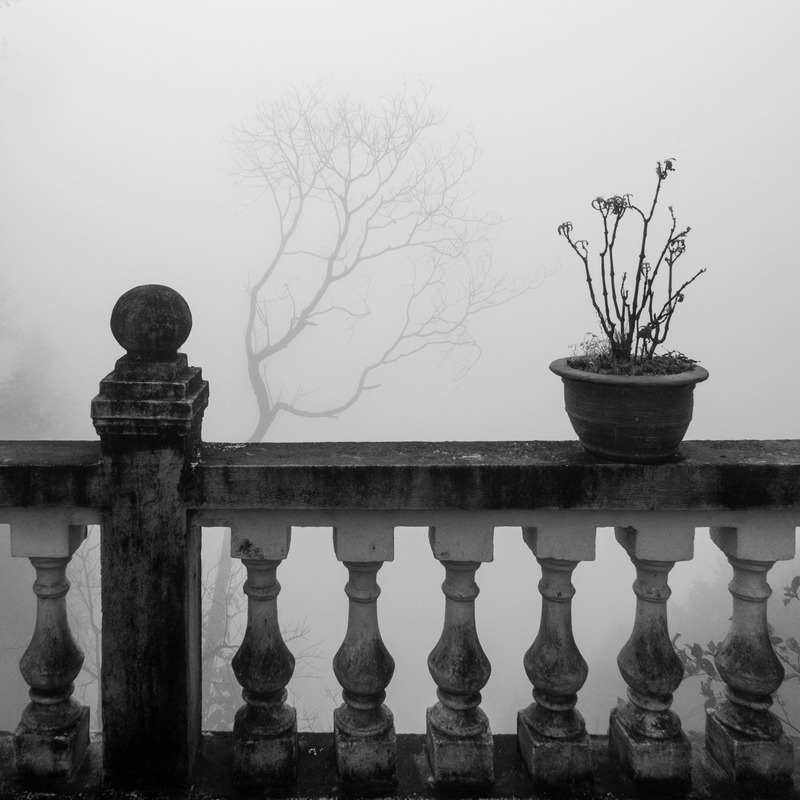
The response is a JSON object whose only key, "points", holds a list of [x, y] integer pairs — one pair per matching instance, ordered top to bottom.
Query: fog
{"points": [[116, 170]]}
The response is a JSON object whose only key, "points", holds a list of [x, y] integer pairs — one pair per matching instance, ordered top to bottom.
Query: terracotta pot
{"points": [[640, 419]]}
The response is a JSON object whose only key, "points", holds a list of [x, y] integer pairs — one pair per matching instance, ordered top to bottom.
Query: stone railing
{"points": [[152, 484]]}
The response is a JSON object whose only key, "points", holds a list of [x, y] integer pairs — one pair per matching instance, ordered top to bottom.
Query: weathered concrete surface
{"points": [[151, 322], [148, 415], [47, 474], [493, 475], [705, 476], [734, 480], [151, 603], [265, 728], [364, 732], [53, 734], [552, 734], [745, 737], [459, 739], [56, 755], [746, 757], [649, 759], [366, 760], [554, 761], [264, 763], [461, 764], [317, 775]]}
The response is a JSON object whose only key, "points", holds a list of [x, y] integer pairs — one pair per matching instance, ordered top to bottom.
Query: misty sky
{"points": [[115, 123], [115, 129]]}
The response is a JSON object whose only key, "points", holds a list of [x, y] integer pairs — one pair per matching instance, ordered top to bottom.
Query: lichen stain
{"points": [[246, 549]]}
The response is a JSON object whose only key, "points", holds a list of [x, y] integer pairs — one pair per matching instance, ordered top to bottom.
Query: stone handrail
{"points": [[501, 476], [151, 484]]}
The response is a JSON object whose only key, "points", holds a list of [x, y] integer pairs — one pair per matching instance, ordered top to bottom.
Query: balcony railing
{"points": [[151, 484]]}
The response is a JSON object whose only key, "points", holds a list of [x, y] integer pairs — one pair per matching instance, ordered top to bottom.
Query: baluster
{"points": [[364, 733], [551, 733], [53, 734], [645, 734], [742, 734], [459, 740], [265, 749]]}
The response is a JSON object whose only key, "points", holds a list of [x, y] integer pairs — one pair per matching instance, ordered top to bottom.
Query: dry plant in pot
{"points": [[627, 402]]}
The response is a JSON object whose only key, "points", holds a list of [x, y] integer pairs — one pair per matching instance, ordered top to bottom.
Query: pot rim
{"points": [[694, 375]]}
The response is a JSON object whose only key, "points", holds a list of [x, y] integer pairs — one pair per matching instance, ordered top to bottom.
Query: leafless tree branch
{"points": [[354, 191]]}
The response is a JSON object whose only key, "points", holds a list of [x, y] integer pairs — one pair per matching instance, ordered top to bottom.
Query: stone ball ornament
{"points": [[151, 322]]}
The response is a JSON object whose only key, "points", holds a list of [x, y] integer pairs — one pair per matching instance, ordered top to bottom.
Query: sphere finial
{"points": [[151, 322]]}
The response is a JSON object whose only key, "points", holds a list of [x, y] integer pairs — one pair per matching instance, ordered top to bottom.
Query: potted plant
{"points": [[626, 401]]}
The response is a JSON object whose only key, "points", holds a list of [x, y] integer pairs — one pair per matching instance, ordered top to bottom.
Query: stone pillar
{"points": [[148, 415], [363, 726], [551, 733], [53, 734], [645, 734], [742, 734], [458, 738], [265, 749]]}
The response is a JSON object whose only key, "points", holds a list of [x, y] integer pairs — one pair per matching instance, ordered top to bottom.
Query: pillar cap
{"points": [[151, 322], [152, 392]]}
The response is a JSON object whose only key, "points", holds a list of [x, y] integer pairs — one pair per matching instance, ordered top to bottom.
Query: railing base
{"points": [[52, 756], [746, 758], [658, 760], [554, 761], [460, 762], [266, 763], [366, 763], [317, 776]]}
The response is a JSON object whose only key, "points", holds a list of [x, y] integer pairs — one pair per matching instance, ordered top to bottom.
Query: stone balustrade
{"points": [[152, 485]]}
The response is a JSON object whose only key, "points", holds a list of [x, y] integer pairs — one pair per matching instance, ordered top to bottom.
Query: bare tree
{"points": [[372, 228]]}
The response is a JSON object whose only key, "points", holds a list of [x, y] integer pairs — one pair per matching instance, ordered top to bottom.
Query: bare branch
{"points": [[358, 190], [637, 326]]}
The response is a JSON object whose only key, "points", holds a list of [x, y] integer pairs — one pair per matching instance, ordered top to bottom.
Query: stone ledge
{"points": [[50, 474], [705, 476], [317, 775]]}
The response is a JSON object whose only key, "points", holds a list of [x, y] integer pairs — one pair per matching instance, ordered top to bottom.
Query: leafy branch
{"points": [[698, 662]]}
